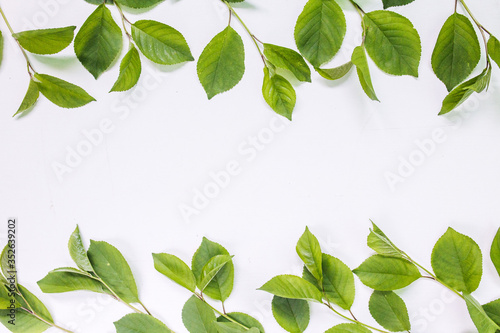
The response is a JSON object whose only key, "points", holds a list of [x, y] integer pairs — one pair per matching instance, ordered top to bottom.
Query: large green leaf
{"points": [[139, 3], [393, 3], [320, 31], [46, 41], [98, 42], [392, 42], [161, 43], [494, 49], [457, 51], [288, 59], [360, 61], [222, 63], [130, 71], [335, 73], [62, 93], [461, 93], [279, 94], [30, 98], [381, 244], [77, 251], [309, 251], [495, 251], [457, 261], [110, 265], [175, 269], [387, 273], [62, 280], [338, 282], [221, 286], [290, 286], [492, 309], [390, 311], [291, 314], [198, 317], [244, 320], [482, 321], [140, 323], [348, 328]]}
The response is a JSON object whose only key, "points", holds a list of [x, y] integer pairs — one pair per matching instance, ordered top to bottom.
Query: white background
{"points": [[327, 169]]}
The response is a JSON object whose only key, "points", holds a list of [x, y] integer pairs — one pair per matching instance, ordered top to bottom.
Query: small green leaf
{"points": [[394, 3], [138, 4], [320, 31], [46, 41], [98, 42], [392, 42], [161, 43], [493, 49], [457, 51], [288, 59], [360, 61], [222, 63], [130, 71], [335, 73], [62, 93], [461, 93], [279, 94], [29, 99], [381, 244], [77, 251], [309, 251], [495, 251], [457, 261], [110, 265], [212, 268], [175, 269], [387, 273], [63, 280], [338, 282], [221, 286], [290, 286], [492, 309], [390, 311], [291, 314], [198, 317], [244, 319], [482, 321], [140, 323], [348, 328]]}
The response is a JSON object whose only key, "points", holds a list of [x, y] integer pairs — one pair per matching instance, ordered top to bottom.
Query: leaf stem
{"points": [[361, 13], [124, 19], [482, 30], [328, 305], [145, 308], [34, 314], [223, 314]]}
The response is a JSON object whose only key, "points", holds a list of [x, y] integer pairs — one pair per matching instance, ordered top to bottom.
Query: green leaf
{"points": [[139, 3], [393, 3], [320, 31], [46, 41], [99, 41], [392, 42], [161, 43], [493, 49], [457, 51], [288, 59], [360, 61], [222, 63], [130, 71], [335, 73], [62, 93], [461, 93], [279, 94], [30, 98], [381, 244], [77, 251], [309, 251], [495, 251], [457, 261], [8, 263], [110, 265], [212, 268], [175, 269], [387, 273], [63, 280], [338, 282], [221, 286], [290, 286], [5, 298], [35, 304], [492, 309], [390, 311], [291, 314], [198, 317], [243, 319], [482, 321], [24, 322], [140, 323], [229, 327], [348, 328]]}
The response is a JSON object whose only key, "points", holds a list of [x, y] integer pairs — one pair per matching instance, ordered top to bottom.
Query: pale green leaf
{"points": [[393, 3], [139, 4], [320, 31], [46, 41], [392, 42], [494, 49], [288, 59], [360, 61], [130, 71], [335, 73], [62, 93], [279, 94], [29, 99], [381, 244], [77, 251], [309, 251], [495, 251], [8, 263], [212, 268], [175, 269], [63, 280], [338, 282], [290, 286], [6, 298], [33, 303], [390, 311], [291, 314], [198, 317], [243, 319], [482, 321], [24, 322], [140, 323], [348, 328]]}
